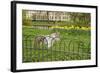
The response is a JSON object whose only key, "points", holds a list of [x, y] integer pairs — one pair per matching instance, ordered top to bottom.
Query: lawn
{"points": [[73, 45]]}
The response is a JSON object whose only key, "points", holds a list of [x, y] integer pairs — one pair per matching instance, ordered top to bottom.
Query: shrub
{"points": [[27, 22]]}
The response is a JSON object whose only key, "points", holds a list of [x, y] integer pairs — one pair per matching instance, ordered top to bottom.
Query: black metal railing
{"points": [[62, 50]]}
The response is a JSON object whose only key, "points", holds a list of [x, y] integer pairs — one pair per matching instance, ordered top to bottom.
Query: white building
{"points": [[47, 15]]}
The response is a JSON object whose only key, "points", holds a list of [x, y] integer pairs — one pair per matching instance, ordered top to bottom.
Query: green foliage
{"points": [[80, 19], [27, 22], [77, 40]]}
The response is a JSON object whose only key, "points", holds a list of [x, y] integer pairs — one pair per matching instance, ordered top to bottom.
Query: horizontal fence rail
{"points": [[62, 50]]}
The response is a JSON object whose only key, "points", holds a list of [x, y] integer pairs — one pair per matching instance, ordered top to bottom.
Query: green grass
{"points": [[73, 45]]}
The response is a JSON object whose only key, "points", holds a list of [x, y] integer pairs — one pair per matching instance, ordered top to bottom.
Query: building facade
{"points": [[46, 15]]}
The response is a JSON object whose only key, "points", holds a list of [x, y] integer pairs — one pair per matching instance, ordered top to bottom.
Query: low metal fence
{"points": [[62, 50]]}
